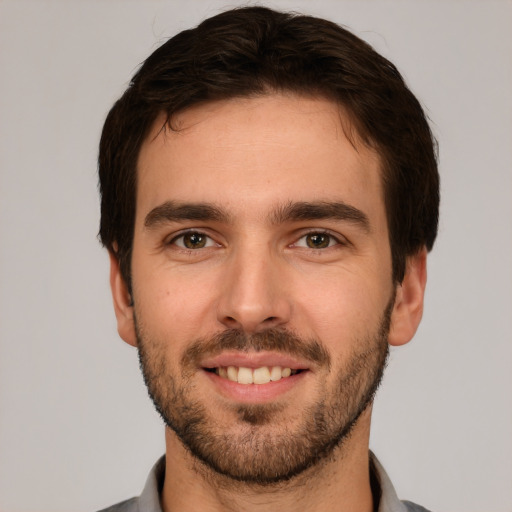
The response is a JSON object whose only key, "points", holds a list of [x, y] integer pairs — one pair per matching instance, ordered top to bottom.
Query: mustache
{"points": [[275, 340]]}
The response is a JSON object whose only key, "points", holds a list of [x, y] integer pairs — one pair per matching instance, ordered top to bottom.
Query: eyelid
{"points": [[337, 237], [171, 240]]}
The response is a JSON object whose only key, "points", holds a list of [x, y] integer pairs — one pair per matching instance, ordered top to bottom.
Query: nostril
{"points": [[250, 321], [232, 322]]}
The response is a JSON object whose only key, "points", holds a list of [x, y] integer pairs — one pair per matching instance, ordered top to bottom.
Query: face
{"points": [[262, 290]]}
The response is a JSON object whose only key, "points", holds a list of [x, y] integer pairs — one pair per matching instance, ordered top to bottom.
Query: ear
{"points": [[122, 302], [408, 308]]}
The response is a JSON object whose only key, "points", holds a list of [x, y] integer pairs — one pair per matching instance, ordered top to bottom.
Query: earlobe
{"points": [[123, 305], [408, 308]]}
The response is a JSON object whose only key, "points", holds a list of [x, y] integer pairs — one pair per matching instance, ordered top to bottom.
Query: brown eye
{"points": [[193, 240], [318, 240]]}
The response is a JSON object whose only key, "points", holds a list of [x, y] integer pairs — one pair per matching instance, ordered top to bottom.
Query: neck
{"points": [[341, 482]]}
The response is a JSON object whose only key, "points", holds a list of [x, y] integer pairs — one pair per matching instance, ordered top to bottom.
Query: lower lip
{"points": [[255, 393]]}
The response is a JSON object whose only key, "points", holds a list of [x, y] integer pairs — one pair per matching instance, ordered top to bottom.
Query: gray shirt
{"points": [[149, 500]]}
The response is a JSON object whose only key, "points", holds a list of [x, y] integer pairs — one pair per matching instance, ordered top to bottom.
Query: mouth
{"points": [[248, 376], [255, 377]]}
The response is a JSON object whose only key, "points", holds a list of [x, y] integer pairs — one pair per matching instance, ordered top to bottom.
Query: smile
{"points": [[262, 375]]}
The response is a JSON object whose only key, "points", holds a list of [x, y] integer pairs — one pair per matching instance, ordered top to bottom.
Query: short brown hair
{"points": [[251, 51]]}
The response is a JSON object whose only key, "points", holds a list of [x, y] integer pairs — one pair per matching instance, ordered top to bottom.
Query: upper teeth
{"points": [[261, 375]]}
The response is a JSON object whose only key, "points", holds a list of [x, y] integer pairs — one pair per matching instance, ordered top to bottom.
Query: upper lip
{"points": [[254, 360]]}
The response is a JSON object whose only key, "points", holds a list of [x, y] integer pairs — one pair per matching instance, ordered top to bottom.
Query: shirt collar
{"points": [[149, 500], [389, 501]]}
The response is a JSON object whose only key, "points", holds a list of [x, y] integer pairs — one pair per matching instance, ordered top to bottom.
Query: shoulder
{"points": [[149, 500], [130, 505], [412, 507]]}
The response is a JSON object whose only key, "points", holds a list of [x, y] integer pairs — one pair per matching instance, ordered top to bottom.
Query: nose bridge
{"points": [[253, 295]]}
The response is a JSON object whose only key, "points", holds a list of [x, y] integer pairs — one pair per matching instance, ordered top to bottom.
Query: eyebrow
{"points": [[323, 210], [171, 211]]}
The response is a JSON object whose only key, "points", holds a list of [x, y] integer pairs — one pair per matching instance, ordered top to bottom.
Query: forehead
{"points": [[260, 151]]}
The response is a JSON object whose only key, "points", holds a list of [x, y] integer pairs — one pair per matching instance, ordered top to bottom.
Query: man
{"points": [[269, 194]]}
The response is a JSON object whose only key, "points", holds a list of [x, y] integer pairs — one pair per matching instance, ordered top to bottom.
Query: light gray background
{"points": [[77, 431]]}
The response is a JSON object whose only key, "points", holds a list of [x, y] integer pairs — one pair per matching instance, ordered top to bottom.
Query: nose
{"points": [[254, 293]]}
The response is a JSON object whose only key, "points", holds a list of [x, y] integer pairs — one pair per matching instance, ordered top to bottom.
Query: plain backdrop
{"points": [[77, 431]]}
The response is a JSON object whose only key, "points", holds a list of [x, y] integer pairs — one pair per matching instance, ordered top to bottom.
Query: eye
{"points": [[193, 240], [317, 240]]}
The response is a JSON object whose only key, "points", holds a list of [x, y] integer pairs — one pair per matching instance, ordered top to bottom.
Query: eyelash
{"points": [[191, 233], [338, 241], [210, 242]]}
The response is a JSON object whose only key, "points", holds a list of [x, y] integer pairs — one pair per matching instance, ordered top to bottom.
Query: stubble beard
{"points": [[255, 452]]}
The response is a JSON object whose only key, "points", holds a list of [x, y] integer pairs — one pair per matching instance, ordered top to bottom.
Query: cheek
{"points": [[172, 304], [340, 307]]}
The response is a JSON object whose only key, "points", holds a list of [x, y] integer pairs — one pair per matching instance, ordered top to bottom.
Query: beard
{"points": [[265, 448]]}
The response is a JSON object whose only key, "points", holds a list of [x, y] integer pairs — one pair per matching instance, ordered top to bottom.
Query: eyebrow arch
{"points": [[322, 210], [171, 211]]}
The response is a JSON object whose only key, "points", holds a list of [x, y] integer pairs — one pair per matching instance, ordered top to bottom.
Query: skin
{"points": [[250, 157]]}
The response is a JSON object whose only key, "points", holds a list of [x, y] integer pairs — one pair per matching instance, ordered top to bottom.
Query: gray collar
{"points": [[149, 500], [389, 501]]}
